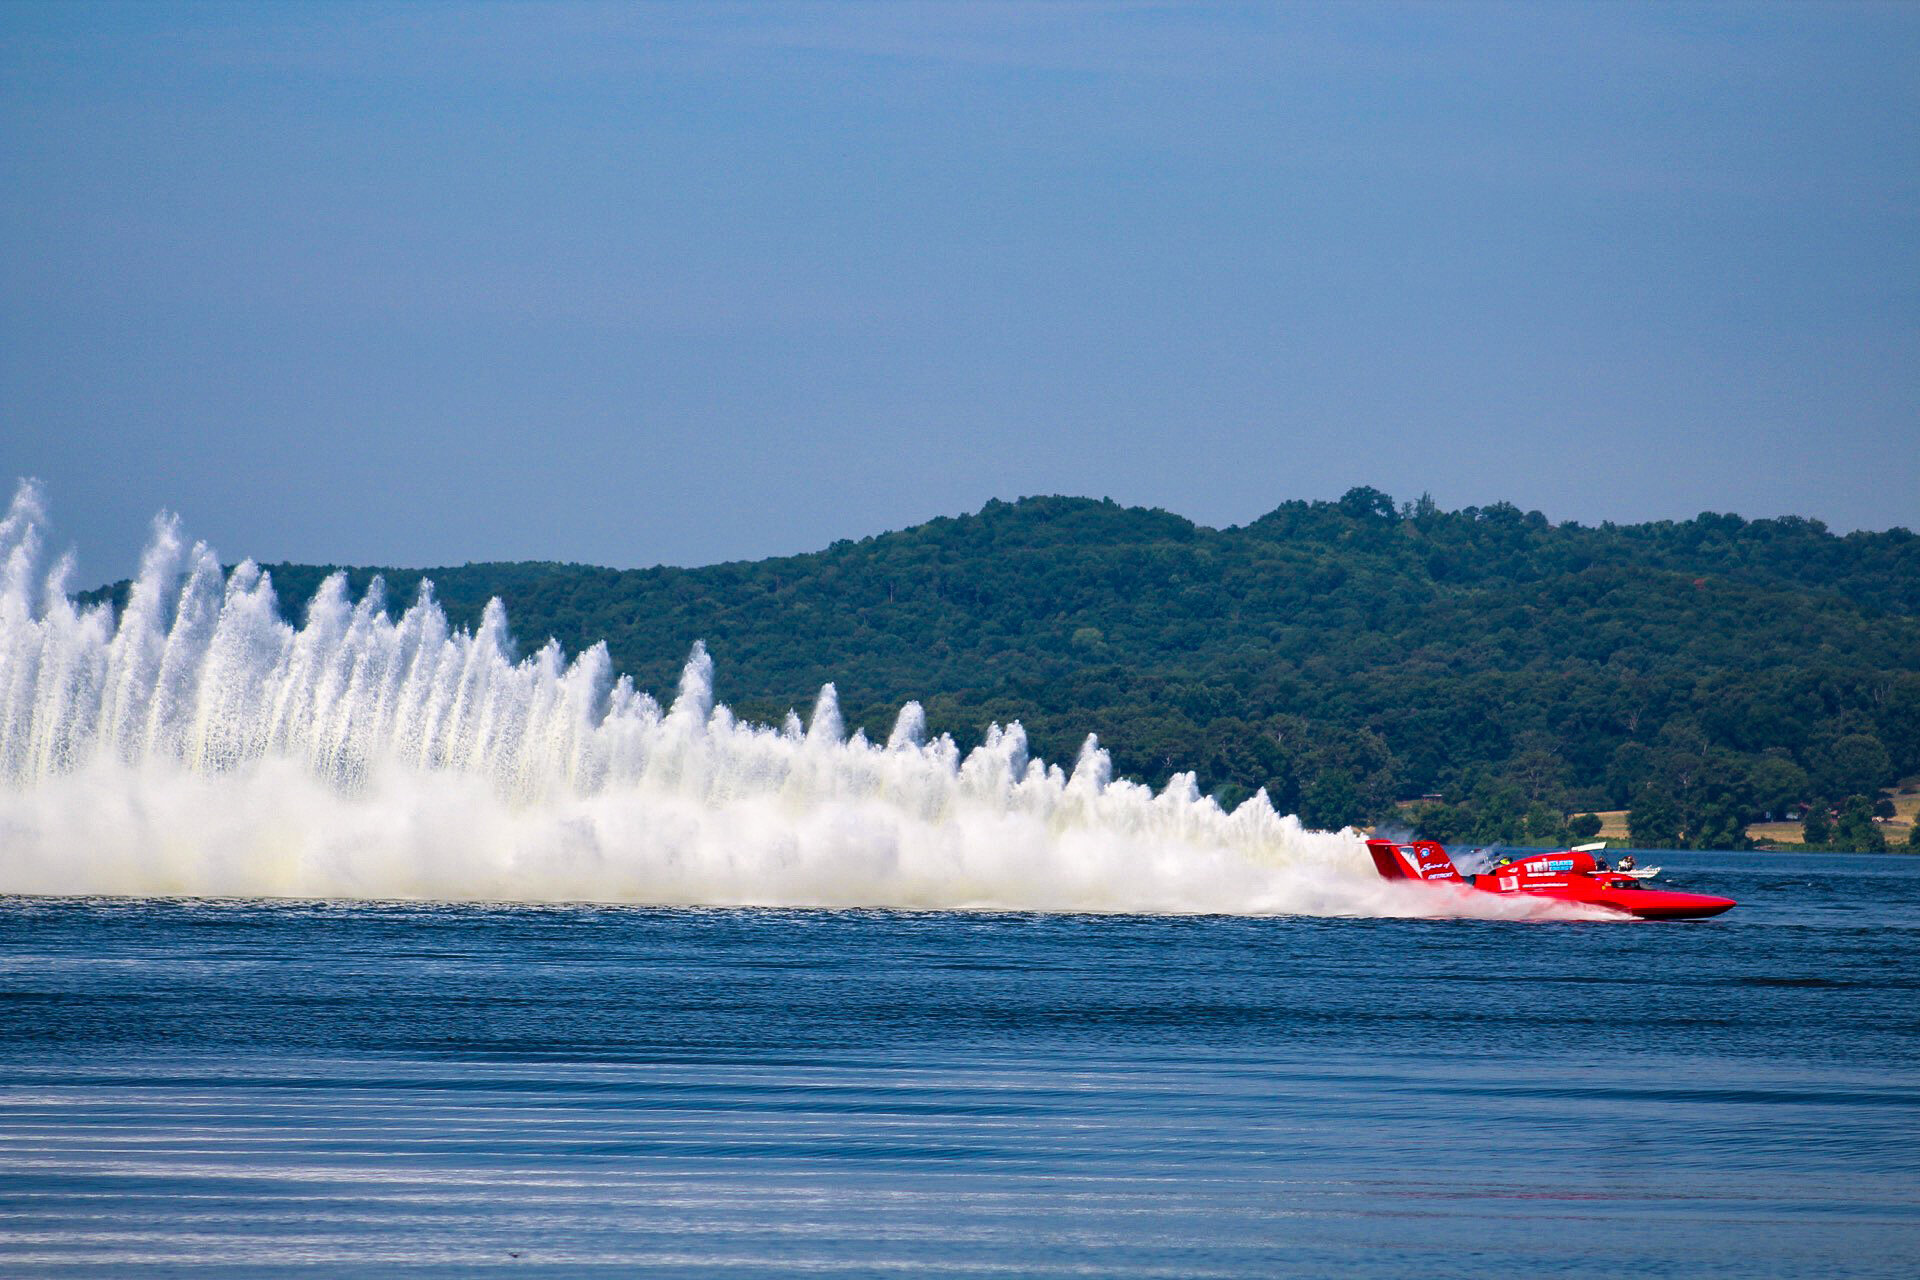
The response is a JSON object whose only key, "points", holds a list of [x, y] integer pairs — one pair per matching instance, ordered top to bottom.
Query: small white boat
{"points": [[1638, 873]]}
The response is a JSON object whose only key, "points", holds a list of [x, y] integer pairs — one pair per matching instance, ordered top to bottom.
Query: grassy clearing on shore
{"points": [[1906, 806], [1906, 812], [1613, 824]]}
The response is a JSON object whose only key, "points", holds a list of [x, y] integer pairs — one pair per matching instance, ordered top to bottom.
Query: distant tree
{"points": [[1367, 503], [1090, 638], [1900, 722], [1857, 764], [1629, 768], [1537, 770], [1776, 782], [1332, 801], [1883, 807], [1496, 810], [1654, 820], [1443, 822], [1720, 824], [1545, 825], [1584, 826], [1814, 829], [1856, 830], [1913, 836]]}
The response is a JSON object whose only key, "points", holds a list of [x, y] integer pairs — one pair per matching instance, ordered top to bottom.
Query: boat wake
{"points": [[196, 744]]}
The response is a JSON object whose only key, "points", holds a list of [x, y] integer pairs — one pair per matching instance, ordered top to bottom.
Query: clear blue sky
{"points": [[422, 284]]}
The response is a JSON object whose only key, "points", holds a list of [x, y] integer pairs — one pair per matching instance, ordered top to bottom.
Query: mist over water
{"points": [[199, 745]]}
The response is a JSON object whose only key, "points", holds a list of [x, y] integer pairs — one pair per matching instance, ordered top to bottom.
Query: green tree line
{"points": [[1345, 656]]}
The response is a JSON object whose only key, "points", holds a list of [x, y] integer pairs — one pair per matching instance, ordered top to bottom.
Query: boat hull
{"points": [[1612, 890], [1642, 904], [1672, 906]]}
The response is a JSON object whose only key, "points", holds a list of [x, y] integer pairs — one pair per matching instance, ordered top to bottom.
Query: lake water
{"points": [[274, 1090]]}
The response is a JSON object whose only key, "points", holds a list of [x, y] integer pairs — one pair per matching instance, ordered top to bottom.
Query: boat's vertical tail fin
{"points": [[1420, 860]]}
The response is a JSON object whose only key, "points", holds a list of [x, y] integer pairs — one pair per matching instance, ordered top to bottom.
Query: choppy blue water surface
{"points": [[275, 1089]]}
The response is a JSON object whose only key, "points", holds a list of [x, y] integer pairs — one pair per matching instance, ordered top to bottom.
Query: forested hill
{"points": [[1342, 655]]}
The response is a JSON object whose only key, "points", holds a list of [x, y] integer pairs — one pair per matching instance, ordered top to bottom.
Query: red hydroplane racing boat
{"points": [[1572, 876]]}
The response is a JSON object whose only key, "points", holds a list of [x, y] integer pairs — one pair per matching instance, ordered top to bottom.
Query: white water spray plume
{"points": [[199, 745]]}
